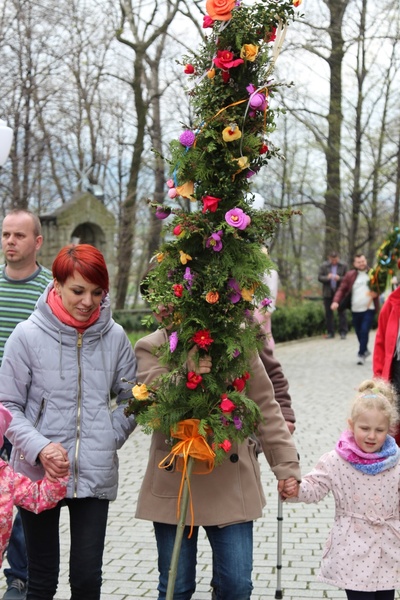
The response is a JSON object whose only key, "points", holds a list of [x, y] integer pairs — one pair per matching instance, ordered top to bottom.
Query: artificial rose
{"points": [[220, 10], [207, 22], [271, 35], [249, 52], [225, 60], [189, 69], [231, 133], [210, 203], [237, 218], [177, 230], [215, 241], [184, 258], [178, 289], [212, 297], [203, 339], [193, 380], [240, 383], [140, 392], [227, 406], [226, 445]]}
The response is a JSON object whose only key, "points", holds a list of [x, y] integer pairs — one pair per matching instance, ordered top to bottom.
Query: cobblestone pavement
{"points": [[323, 377]]}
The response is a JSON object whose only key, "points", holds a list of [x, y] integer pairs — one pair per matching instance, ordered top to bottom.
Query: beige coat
{"points": [[232, 492]]}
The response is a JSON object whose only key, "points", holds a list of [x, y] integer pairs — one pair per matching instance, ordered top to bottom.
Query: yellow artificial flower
{"points": [[249, 52], [211, 73], [231, 133], [243, 162], [186, 190], [184, 257], [247, 295], [140, 392]]}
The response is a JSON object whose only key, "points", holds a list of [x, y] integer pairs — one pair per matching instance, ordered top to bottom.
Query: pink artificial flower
{"points": [[207, 22], [187, 138], [170, 183], [172, 193], [162, 213], [237, 218], [173, 341]]}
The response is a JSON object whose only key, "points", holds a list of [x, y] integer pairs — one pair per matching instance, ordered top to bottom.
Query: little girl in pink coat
{"points": [[18, 490], [362, 552]]}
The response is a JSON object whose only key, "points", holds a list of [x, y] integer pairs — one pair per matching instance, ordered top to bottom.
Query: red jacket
{"points": [[386, 336]]}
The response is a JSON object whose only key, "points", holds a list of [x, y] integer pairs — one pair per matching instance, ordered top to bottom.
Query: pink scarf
{"points": [[58, 309]]}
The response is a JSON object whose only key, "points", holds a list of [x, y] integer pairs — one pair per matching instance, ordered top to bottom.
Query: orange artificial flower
{"points": [[297, 2], [220, 10], [249, 52], [211, 73], [186, 190], [212, 297]]}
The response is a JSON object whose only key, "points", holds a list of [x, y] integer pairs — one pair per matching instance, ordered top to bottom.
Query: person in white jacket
{"points": [[58, 372], [363, 473]]}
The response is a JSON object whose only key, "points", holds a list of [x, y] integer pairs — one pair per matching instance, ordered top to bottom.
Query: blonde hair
{"points": [[378, 394]]}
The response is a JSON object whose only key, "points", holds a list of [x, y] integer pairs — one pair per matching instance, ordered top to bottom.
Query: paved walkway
{"points": [[323, 377]]}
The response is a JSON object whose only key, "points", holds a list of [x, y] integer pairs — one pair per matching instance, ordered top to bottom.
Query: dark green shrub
{"points": [[294, 322]]}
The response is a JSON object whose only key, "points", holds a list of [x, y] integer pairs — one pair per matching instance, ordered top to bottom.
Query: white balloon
{"points": [[6, 135]]}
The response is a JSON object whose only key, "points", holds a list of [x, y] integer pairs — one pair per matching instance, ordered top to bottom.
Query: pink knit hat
{"points": [[5, 420]]}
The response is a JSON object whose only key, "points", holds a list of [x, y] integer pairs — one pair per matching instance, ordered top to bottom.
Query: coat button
{"points": [[234, 458], [356, 498]]}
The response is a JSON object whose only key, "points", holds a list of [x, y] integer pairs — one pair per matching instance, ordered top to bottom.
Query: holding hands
{"points": [[54, 459], [288, 488]]}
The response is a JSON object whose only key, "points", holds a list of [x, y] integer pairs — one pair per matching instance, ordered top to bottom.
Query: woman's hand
{"points": [[200, 366], [54, 459], [288, 488]]}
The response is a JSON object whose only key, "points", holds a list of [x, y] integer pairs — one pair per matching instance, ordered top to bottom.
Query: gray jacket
{"points": [[57, 384]]}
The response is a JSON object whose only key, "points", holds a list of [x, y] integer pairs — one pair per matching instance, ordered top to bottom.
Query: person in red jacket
{"points": [[386, 356]]}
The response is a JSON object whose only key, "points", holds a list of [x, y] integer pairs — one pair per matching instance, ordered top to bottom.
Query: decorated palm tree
{"points": [[208, 275]]}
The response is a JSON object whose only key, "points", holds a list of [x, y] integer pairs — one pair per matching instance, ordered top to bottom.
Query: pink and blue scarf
{"points": [[370, 463]]}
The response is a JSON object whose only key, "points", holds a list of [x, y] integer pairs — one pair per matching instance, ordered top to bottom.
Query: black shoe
{"points": [[342, 336], [16, 590]]}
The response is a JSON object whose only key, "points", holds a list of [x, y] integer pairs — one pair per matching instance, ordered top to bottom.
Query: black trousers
{"points": [[88, 521], [380, 595]]}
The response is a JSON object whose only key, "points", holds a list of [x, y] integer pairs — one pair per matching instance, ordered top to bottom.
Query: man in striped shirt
{"points": [[22, 281]]}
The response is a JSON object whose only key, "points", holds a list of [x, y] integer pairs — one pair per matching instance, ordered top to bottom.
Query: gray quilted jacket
{"points": [[57, 384]]}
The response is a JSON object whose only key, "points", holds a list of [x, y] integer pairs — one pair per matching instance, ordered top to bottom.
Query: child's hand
{"points": [[290, 488]]}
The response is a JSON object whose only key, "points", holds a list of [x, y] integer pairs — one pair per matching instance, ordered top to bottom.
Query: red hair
{"points": [[85, 259]]}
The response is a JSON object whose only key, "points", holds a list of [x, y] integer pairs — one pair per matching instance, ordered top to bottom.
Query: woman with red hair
{"points": [[58, 372]]}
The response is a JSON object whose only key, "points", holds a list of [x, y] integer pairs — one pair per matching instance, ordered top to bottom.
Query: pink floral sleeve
{"points": [[37, 496]]}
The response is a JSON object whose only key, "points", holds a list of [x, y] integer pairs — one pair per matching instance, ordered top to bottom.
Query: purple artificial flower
{"points": [[187, 138], [162, 213], [237, 218], [214, 241], [187, 276], [235, 296], [266, 302], [173, 341], [236, 353], [237, 421]]}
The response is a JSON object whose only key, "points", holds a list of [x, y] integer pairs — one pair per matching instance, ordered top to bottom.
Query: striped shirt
{"points": [[18, 299]]}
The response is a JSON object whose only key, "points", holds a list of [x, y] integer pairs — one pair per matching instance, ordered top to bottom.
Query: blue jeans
{"points": [[362, 322], [88, 522], [16, 549], [232, 549]]}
